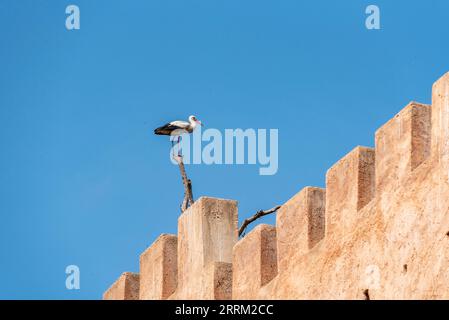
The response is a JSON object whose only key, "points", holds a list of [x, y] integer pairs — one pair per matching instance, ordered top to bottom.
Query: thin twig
{"points": [[188, 194], [258, 215]]}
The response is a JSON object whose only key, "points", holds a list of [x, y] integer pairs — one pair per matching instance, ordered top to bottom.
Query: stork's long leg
{"points": [[179, 147]]}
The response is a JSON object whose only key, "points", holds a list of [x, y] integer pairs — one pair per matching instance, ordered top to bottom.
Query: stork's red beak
{"points": [[200, 123]]}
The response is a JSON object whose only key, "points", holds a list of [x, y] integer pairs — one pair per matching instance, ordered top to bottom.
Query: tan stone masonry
{"points": [[380, 227]]}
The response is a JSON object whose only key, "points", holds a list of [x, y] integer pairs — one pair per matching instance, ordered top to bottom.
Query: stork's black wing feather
{"points": [[166, 129]]}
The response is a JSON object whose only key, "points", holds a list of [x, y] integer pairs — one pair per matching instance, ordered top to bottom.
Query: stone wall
{"points": [[380, 229]]}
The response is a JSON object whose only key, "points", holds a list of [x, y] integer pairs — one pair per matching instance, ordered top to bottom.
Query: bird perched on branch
{"points": [[178, 128]]}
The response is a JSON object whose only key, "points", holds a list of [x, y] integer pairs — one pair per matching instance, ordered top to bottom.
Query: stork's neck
{"points": [[193, 124]]}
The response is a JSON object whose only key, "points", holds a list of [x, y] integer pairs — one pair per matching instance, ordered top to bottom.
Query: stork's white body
{"points": [[178, 127]]}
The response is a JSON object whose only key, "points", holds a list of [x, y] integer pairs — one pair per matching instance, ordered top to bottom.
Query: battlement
{"points": [[380, 227]]}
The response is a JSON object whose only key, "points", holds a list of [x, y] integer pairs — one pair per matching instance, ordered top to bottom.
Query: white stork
{"points": [[178, 128]]}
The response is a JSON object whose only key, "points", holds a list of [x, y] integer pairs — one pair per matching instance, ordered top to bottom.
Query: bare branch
{"points": [[188, 194], [256, 216]]}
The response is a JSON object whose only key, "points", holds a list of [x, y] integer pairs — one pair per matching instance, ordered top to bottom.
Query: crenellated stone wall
{"points": [[380, 229]]}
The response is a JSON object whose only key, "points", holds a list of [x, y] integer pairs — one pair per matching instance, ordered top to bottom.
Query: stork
{"points": [[178, 128]]}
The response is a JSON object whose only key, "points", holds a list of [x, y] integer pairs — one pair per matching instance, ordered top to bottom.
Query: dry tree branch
{"points": [[188, 194], [188, 198], [256, 216]]}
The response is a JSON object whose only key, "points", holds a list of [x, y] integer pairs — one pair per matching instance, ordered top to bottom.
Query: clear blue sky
{"points": [[83, 179]]}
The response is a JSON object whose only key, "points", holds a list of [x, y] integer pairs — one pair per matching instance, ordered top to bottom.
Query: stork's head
{"points": [[194, 121]]}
